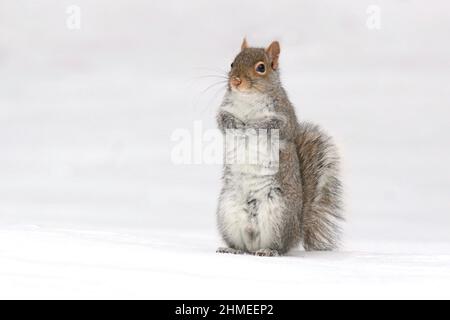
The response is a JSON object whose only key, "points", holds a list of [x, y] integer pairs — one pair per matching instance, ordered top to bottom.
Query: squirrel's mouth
{"points": [[241, 90]]}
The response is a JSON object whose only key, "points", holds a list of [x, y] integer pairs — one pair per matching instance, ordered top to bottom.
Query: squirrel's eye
{"points": [[232, 65], [260, 68]]}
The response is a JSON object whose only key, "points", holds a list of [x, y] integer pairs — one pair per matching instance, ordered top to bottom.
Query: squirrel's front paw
{"points": [[228, 121], [268, 123], [274, 124], [229, 250], [266, 253]]}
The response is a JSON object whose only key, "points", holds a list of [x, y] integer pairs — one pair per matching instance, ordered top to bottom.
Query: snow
{"points": [[91, 205], [71, 263]]}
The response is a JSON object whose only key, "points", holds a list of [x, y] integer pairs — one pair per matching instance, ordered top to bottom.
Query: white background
{"points": [[91, 205]]}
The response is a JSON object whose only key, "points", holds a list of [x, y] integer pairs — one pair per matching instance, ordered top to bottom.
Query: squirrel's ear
{"points": [[244, 44], [274, 53]]}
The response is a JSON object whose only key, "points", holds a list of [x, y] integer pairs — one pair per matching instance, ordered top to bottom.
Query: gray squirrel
{"points": [[269, 213]]}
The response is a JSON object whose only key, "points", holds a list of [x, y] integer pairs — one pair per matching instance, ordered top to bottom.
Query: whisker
{"points": [[221, 71], [211, 76], [196, 81], [213, 85], [212, 100], [196, 102], [201, 104]]}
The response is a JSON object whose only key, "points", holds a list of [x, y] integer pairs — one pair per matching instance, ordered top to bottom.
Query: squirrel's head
{"points": [[255, 69]]}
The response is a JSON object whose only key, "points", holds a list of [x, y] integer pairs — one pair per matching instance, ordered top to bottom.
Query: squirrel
{"points": [[269, 213]]}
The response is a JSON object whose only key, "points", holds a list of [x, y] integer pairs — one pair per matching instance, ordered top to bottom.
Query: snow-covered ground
{"points": [[91, 205], [81, 263]]}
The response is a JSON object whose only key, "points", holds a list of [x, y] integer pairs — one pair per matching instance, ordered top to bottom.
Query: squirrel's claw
{"points": [[229, 251], [266, 253]]}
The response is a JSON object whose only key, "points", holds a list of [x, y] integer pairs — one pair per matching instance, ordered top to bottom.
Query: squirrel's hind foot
{"points": [[229, 251], [267, 253]]}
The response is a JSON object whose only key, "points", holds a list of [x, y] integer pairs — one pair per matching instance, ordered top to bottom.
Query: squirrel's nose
{"points": [[235, 81]]}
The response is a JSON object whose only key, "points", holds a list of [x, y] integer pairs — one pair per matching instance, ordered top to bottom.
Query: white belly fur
{"points": [[242, 228]]}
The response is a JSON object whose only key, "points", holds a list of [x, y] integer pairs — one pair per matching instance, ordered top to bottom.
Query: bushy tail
{"points": [[322, 204]]}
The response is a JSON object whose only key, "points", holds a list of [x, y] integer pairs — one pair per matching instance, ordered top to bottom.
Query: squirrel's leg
{"points": [[231, 216]]}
